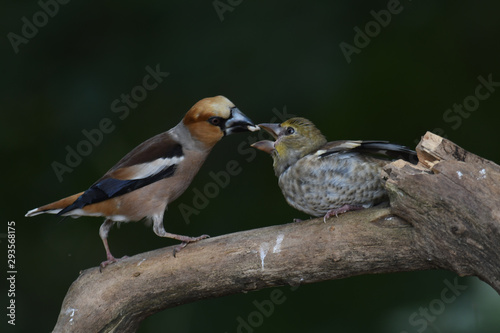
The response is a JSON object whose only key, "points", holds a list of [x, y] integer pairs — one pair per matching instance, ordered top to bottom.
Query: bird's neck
{"points": [[182, 134]]}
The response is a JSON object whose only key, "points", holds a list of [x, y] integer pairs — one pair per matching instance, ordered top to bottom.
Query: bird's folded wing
{"points": [[375, 148], [150, 162]]}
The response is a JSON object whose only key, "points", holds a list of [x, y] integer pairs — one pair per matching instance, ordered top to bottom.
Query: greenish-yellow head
{"points": [[295, 138]]}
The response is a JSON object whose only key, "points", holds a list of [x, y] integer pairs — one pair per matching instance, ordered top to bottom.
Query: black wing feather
{"points": [[159, 146], [383, 149], [390, 150], [110, 187]]}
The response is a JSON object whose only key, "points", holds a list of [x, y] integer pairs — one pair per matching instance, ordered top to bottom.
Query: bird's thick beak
{"points": [[238, 122], [273, 129], [264, 145]]}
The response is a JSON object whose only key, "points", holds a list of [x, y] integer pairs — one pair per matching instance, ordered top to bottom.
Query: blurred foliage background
{"points": [[264, 56]]}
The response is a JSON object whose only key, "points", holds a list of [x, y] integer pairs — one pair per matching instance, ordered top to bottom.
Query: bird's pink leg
{"points": [[341, 210], [160, 231], [103, 232], [185, 240], [109, 256]]}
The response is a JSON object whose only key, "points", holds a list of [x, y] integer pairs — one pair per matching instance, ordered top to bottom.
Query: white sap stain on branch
{"points": [[482, 174], [277, 247], [264, 248], [140, 262], [71, 313]]}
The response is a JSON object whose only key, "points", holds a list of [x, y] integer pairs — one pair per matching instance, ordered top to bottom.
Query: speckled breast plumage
{"points": [[336, 180]]}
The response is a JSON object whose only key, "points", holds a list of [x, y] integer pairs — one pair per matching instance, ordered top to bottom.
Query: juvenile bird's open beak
{"points": [[238, 122], [273, 129], [264, 145]]}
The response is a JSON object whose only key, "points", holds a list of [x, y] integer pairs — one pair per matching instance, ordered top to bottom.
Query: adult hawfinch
{"points": [[155, 173]]}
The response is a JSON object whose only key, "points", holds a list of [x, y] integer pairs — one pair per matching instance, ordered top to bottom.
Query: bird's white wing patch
{"points": [[348, 145], [340, 148], [145, 170]]}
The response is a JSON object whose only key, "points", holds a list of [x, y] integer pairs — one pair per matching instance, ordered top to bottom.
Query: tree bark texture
{"points": [[445, 213]]}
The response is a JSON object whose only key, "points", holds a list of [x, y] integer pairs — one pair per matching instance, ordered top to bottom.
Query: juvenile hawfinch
{"points": [[155, 173], [323, 178]]}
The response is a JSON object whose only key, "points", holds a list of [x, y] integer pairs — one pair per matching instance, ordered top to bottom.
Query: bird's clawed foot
{"points": [[341, 210], [186, 240], [110, 260]]}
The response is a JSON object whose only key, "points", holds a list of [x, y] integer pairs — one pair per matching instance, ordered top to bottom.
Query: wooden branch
{"points": [[452, 199], [451, 220]]}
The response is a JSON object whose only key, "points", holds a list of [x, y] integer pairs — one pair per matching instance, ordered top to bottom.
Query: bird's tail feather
{"points": [[54, 207]]}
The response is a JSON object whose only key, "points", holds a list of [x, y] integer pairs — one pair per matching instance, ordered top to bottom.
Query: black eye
{"points": [[216, 121], [289, 131]]}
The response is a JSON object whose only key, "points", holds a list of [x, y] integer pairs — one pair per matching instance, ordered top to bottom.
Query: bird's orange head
{"points": [[214, 117]]}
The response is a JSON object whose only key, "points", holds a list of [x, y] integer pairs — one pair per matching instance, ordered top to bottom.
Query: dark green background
{"points": [[262, 56]]}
